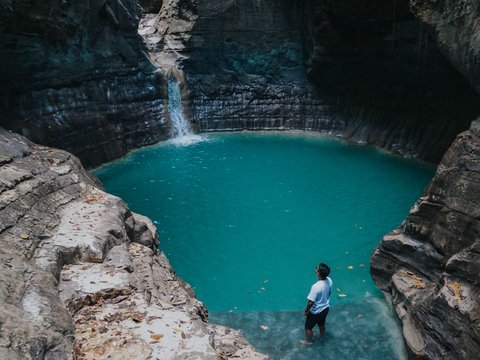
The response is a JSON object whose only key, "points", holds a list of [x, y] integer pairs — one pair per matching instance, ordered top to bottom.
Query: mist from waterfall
{"points": [[181, 131]]}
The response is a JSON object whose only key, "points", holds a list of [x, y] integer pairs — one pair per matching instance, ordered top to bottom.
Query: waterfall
{"points": [[181, 132]]}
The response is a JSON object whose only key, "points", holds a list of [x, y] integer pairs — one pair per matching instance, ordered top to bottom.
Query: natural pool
{"points": [[246, 217]]}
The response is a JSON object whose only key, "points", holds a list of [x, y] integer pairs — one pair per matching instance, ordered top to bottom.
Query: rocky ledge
{"points": [[430, 265], [80, 274]]}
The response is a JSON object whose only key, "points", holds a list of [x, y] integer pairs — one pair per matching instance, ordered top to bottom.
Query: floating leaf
{"points": [[350, 267], [342, 295], [264, 327]]}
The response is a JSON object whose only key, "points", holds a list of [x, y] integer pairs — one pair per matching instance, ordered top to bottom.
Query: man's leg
{"points": [[322, 317], [309, 324], [322, 331], [308, 336]]}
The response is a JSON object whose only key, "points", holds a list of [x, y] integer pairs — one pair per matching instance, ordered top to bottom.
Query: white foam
{"points": [[187, 140]]}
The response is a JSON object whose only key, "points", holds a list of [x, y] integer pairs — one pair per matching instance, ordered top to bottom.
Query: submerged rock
{"points": [[80, 274]]}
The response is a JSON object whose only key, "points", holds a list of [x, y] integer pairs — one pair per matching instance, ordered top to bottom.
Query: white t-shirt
{"points": [[320, 295]]}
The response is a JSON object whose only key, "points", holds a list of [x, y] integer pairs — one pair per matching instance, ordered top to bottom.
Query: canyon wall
{"points": [[368, 72], [74, 75], [431, 264], [80, 276]]}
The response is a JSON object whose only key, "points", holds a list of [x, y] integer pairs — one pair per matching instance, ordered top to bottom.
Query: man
{"points": [[318, 303]]}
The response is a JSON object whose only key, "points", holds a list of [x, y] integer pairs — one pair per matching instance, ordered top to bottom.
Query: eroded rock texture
{"points": [[455, 25], [369, 72], [73, 74], [388, 80], [431, 263], [80, 274]]}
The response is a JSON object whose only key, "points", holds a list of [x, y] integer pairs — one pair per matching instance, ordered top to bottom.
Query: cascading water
{"points": [[181, 132]]}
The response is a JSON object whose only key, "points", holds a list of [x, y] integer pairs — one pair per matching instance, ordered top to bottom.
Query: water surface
{"points": [[245, 218]]}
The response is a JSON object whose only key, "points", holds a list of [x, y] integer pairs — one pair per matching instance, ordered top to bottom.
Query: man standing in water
{"points": [[318, 303]]}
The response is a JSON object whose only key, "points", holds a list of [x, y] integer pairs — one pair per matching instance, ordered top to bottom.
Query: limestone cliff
{"points": [[455, 26], [370, 73], [73, 74], [431, 263], [80, 275]]}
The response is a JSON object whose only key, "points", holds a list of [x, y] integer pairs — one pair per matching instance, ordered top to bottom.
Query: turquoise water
{"points": [[245, 218]]}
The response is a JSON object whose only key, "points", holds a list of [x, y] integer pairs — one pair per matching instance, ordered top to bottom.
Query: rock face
{"points": [[454, 25], [368, 73], [74, 75], [386, 77], [431, 263], [80, 274]]}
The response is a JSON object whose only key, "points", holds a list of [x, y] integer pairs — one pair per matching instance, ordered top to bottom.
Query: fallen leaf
{"points": [[24, 236], [137, 317], [156, 337], [221, 353]]}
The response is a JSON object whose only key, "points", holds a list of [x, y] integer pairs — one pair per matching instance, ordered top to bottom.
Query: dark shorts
{"points": [[316, 319]]}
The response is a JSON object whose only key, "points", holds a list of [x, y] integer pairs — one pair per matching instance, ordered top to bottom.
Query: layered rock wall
{"points": [[454, 24], [369, 73], [74, 75], [385, 76], [431, 263], [80, 274]]}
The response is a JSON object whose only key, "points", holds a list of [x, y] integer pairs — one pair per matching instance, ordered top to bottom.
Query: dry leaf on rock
{"points": [[137, 317], [156, 337]]}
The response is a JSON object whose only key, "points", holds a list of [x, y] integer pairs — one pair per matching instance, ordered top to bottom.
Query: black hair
{"points": [[323, 270]]}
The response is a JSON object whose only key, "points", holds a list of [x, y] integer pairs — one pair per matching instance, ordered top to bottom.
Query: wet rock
{"points": [[430, 264]]}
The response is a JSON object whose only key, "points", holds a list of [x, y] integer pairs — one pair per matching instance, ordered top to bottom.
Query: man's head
{"points": [[323, 270]]}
